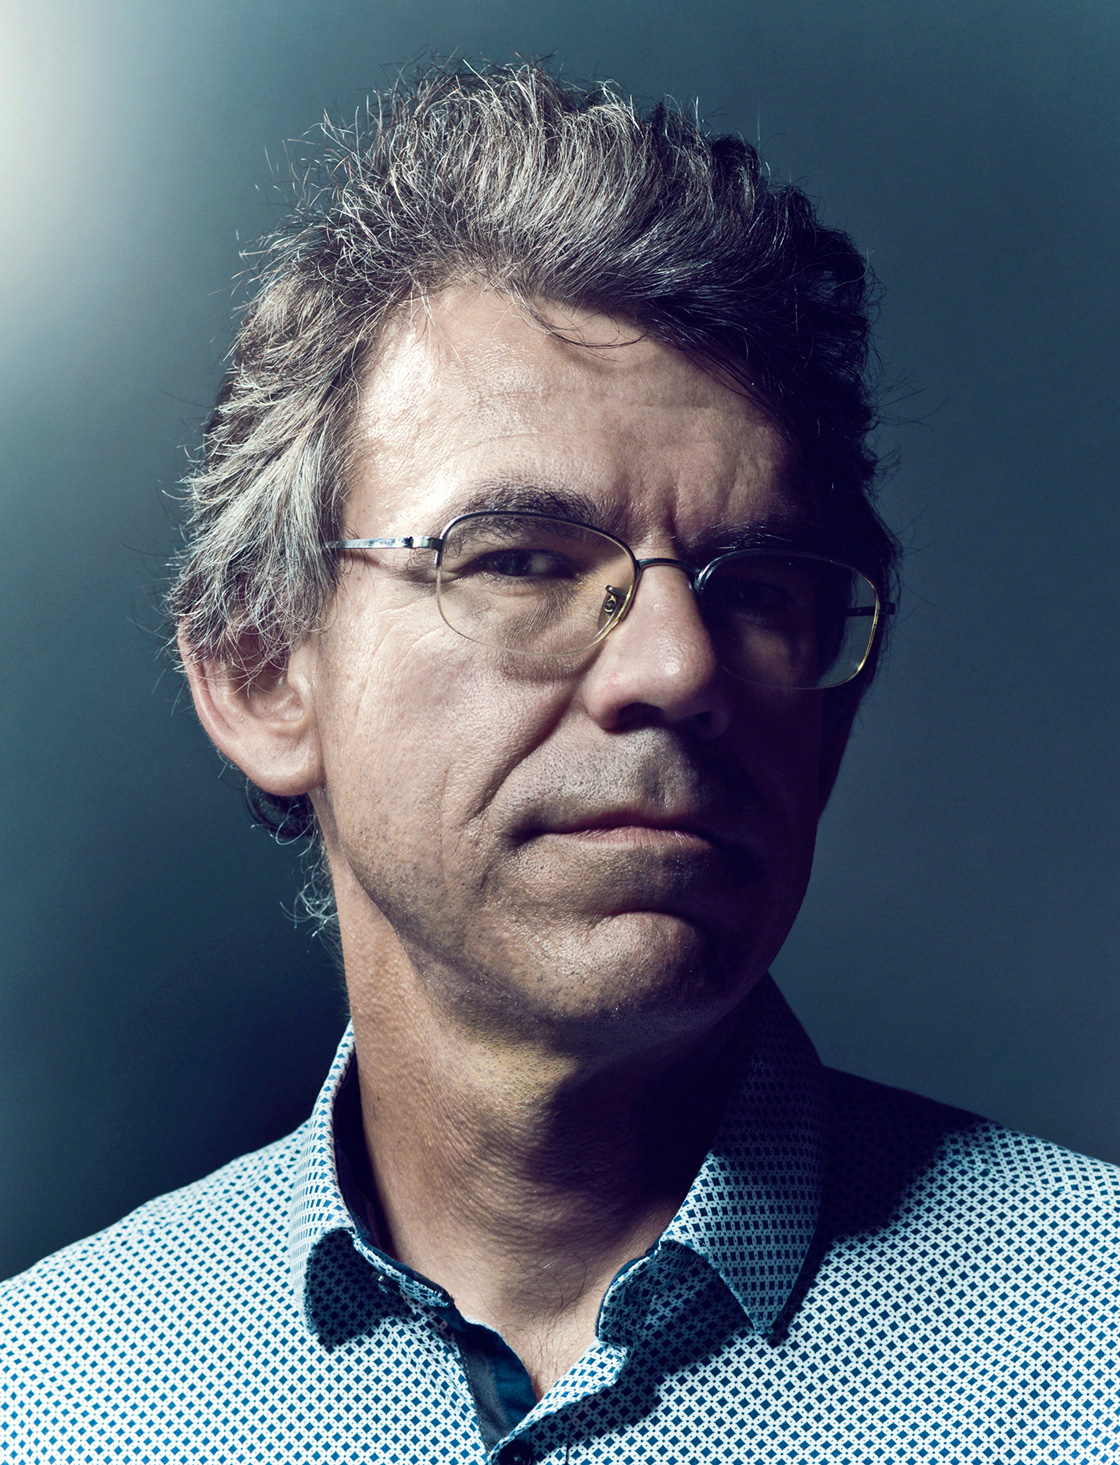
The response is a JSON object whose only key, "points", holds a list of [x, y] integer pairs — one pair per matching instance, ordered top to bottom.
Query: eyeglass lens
{"points": [[549, 587]]}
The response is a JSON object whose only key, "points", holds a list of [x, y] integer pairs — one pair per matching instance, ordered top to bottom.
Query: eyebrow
{"points": [[507, 495], [781, 529]]}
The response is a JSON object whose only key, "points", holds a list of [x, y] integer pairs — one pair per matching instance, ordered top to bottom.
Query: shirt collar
{"points": [[318, 1208], [753, 1208], [750, 1213]]}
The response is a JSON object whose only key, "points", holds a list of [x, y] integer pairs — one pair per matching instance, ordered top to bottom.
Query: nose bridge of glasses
{"points": [[690, 573]]}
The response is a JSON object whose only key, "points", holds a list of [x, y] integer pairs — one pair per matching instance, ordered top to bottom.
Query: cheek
{"points": [[417, 747]]}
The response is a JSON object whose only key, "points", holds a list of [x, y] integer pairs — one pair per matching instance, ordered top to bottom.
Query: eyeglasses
{"points": [[548, 587]]}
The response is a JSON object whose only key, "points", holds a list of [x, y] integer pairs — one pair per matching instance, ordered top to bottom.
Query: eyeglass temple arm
{"points": [[410, 541], [887, 608]]}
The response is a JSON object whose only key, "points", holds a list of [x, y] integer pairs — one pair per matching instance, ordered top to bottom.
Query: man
{"points": [[531, 569]]}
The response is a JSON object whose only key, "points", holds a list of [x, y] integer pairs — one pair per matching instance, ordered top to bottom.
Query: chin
{"points": [[639, 968]]}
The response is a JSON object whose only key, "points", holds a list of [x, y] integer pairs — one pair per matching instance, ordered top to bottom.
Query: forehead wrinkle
{"points": [[507, 374], [407, 420], [622, 504]]}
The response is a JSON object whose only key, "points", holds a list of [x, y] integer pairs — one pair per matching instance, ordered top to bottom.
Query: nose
{"points": [[658, 666]]}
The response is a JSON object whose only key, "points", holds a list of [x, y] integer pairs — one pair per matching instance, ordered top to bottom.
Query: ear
{"points": [[264, 720], [835, 732]]}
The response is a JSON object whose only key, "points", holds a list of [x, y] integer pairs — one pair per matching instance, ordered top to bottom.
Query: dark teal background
{"points": [[158, 1011]]}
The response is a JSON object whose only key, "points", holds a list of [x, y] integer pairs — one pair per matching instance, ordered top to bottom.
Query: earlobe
{"points": [[262, 720]]}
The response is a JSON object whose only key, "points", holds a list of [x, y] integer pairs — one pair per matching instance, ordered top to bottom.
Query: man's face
{"points": [[619, 840]]}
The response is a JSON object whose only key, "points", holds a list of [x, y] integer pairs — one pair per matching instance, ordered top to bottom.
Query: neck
{"points": [[518, 1175]]}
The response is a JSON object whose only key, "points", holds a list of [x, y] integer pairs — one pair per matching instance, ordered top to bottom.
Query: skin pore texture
{"points": [[557, 882]]}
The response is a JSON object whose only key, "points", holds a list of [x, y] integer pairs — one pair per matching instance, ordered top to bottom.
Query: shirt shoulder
{"points": [[881, 1131], [1004, 1214], [190, 1242]]}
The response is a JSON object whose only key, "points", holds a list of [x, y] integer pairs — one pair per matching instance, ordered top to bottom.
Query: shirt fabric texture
{"points": [[856, 1275]]}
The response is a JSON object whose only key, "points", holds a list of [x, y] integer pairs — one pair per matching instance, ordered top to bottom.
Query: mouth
{"points": [[654, 800], [637, 828]]}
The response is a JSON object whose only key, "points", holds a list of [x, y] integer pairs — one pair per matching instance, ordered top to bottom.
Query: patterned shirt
{"points": [[856, 1275]]}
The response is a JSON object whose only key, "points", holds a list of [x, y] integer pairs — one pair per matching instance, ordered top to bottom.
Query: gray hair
{"points": [[549, 192]]}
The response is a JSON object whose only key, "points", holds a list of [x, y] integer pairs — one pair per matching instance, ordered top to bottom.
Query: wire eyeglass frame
{"points": [[618, 601]]}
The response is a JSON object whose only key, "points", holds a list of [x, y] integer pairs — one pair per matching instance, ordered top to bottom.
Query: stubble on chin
{"points": [[519, 967]]}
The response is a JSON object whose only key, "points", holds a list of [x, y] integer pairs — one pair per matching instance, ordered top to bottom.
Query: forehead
{"points": [[468, 390]]}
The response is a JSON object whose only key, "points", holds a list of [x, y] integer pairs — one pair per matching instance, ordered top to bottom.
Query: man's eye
{"points": [[519, 564], [758, 598]]}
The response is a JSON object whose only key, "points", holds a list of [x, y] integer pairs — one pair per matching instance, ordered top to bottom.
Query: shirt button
{"points": [[517, 1452]]}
